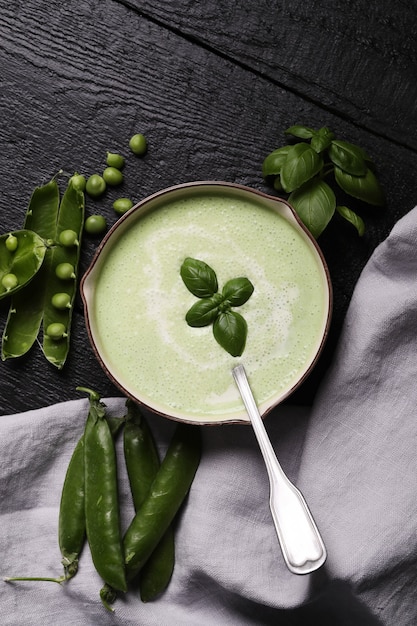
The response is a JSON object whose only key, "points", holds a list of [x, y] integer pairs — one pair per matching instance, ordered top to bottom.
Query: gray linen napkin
{"points": [[353, 456]]}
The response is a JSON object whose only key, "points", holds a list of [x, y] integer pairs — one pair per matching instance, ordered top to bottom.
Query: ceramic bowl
{"points": [[135, 301]]}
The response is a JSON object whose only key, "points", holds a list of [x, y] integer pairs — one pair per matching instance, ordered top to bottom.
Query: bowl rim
{"points": [[213, 184]]}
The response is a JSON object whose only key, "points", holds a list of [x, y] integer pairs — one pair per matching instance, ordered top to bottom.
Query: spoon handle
{"points": [[300, 540]]}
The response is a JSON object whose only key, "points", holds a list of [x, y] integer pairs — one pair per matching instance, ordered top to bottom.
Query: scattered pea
{"points": [[138, 144], [115, 160], [112, 176], [78, 182], [95, 185], [121, 205], [95, 224], [68, 238], [11, 243], [65, 271], [9, 281], [61, 301], [56, 331]]}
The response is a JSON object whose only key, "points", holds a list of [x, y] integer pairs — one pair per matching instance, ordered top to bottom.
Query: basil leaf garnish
{"points": [[303, 132], [322, 139], [348, 157], [273, 162], [301, 164], [300, 169], [364, 188], [315, 204], [353, 218], [199, 278], [237, 291], [203, 312], [229, 328], [230, 331]]}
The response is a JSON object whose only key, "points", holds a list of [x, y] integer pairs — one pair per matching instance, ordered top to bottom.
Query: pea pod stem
{"points": [[11, 579]]}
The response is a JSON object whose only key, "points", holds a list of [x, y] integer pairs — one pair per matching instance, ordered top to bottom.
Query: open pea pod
{"points": [[70, 219], [21, 255], [35, 305], [26, 309]]}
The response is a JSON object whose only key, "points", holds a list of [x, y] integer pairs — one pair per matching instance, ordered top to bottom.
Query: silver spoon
{"points": [[301, 544]]}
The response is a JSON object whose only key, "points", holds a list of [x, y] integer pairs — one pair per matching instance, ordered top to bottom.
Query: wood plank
{"points": [[357, 59], [80, 78]]}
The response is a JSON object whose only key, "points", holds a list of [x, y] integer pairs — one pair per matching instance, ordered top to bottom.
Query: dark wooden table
{"points": [[213, 86]]}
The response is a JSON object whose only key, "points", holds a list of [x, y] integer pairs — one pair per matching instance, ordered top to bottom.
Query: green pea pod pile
{"points": [[33, 305], [89, 506]]}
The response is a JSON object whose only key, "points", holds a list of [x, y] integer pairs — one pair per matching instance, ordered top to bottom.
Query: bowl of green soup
{"points": [[136, 301]]}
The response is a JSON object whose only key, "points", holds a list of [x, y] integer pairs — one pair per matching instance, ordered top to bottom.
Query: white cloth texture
{"points": [[353, 454]]}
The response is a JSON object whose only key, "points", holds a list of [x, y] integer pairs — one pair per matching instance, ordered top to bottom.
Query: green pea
{"points": [[138, 144], [115, 160], [112, 176], [78, 182], [95, 185], [122, 205], [95, 224], [68, 238], [11, 243], [65, 271], [9, 281], [61, 301], [56, 331]]}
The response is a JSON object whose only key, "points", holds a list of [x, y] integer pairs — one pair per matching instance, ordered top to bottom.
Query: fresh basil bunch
{"points": [[300, 170], [214, 307]]}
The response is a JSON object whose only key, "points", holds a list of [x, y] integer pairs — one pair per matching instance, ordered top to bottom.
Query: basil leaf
{"points": [[303, 132], [322, 139], [348, 157], [273, 162], [301, 164], [277, 183], [364, 188], [315, 204], [352, 218], [199, 278], [237, 291], [204, 311], [230, 331]]}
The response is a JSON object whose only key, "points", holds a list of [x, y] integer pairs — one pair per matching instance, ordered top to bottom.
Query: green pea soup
{"points": [[136, 301]]}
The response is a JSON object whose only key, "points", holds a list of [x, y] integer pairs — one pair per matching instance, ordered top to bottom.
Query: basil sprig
{"points": [[300, 171], [229, 327]]}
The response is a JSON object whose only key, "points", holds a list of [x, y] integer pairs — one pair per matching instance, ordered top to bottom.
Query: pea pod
{"points": [[71, 217], [49, 218], [21, 258], [26, 308], [142, 463], [101, 496], [164, 499], [71, 528]]}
